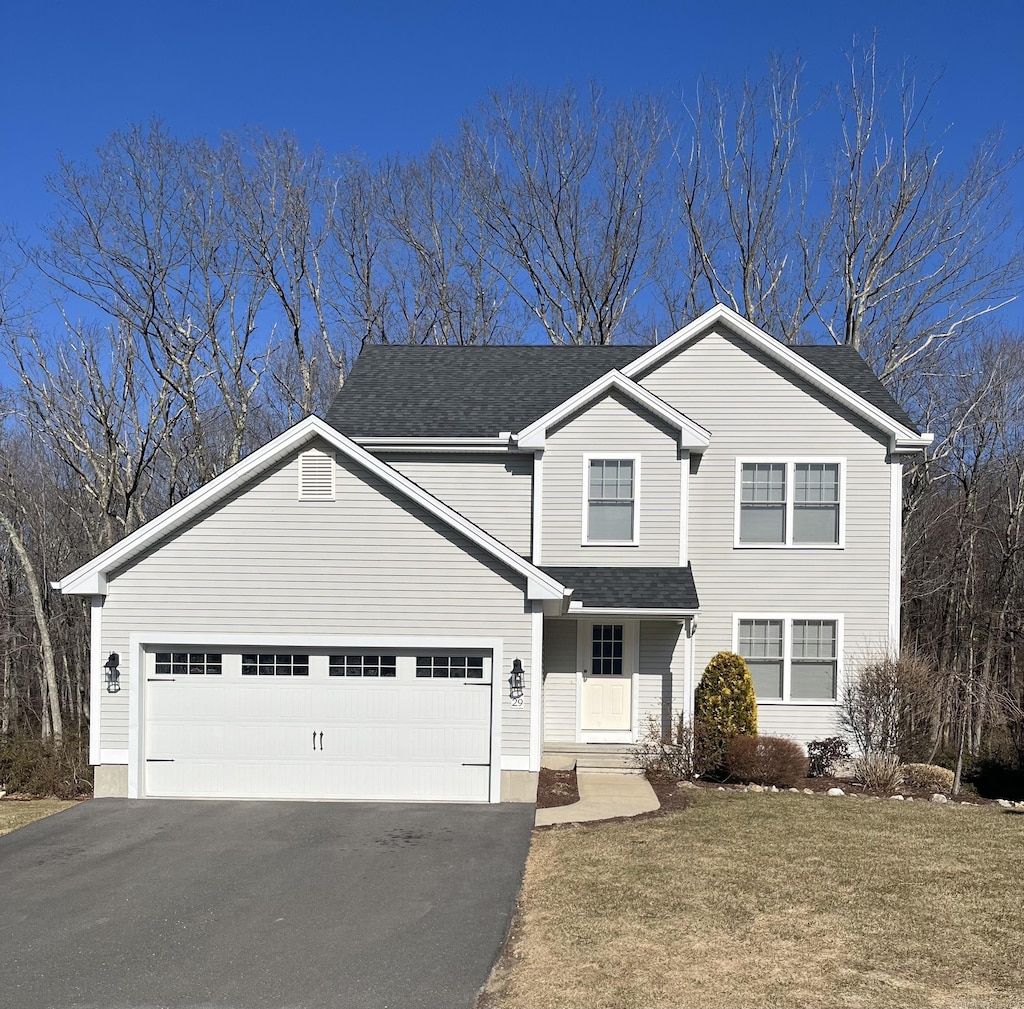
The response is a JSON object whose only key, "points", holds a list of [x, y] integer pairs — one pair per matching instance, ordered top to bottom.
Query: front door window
{"points": [[606, 653]]}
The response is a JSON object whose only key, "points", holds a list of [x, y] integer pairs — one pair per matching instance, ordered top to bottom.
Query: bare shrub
{"points": [[887, 706], [658, 756], [824, 756], [766, 760], [32, 767], [881, 772], [938, 779]]}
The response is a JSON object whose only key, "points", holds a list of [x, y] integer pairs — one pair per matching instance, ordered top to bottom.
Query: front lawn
{"points": [[16, 813], [773, 900]]}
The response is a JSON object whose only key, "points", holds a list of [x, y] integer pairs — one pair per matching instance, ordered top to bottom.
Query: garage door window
{"points": [[185, 663], [275, 665], [363, 665], [461, 667]]}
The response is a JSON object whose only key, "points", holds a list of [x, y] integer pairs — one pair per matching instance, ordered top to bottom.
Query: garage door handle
{"points": [[321, 740], [159, 760], [483, 764]]}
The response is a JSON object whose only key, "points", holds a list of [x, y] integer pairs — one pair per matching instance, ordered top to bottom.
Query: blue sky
{"points": [[392, 75]]}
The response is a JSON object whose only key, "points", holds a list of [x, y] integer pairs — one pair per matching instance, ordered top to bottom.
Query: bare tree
{"points": [[568, 188]]}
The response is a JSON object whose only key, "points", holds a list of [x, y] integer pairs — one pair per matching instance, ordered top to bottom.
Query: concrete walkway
{"points": [[602, 797]]}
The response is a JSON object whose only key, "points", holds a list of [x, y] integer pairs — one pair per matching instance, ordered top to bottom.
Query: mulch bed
{"points": [[556, 788]]}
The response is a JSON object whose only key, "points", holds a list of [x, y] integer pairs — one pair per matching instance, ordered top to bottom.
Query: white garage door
{"points": [[339, 725]]}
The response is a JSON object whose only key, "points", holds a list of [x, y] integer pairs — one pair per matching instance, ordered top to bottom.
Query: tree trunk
{"points": [[51, 695]]}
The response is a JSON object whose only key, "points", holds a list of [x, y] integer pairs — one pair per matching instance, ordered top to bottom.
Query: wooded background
{"points": [[189, 300]]}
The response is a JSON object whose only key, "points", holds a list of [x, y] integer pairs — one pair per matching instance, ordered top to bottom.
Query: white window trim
{"points": [[589, 457], [790, 462], [787, 654]]}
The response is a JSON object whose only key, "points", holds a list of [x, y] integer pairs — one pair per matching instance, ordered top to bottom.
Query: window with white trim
{"points": [[611, 501], [796, 503], [791, 658], [187, 663], [274, 664], [363, 665], [450, 667]]}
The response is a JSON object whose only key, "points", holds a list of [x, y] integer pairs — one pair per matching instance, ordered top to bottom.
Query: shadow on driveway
{"points": [[252, 905]]}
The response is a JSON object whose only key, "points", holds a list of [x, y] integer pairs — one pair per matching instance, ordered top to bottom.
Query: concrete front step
{"points": [[598, 758]]}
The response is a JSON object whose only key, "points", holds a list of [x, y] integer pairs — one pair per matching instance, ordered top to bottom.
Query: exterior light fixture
{"points": [[112, 674], [515, 680]]}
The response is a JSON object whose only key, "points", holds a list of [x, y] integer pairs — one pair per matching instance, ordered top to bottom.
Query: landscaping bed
{"points": [[556, 788]]}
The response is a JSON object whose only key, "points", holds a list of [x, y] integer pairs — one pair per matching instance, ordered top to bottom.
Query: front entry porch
{"points": [[608, 680], [614, 758]]}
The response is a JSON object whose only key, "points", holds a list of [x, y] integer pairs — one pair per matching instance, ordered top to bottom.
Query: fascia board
{"points": [[781, 353], [692, 436], [89, 578]]}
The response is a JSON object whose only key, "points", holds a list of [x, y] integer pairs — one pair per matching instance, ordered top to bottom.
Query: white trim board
{"points": [[692, 436]]}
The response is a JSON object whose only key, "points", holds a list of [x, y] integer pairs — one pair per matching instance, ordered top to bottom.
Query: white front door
{"points": [[606, 696]]}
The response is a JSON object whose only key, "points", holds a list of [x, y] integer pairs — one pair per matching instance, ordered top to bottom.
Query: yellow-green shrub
{"points": [[724, 706], [939, 779]]}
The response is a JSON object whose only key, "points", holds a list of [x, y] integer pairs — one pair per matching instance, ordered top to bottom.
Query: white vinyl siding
{"points": [[757, 410], [611, 428], [494, 491], [262, 562]]}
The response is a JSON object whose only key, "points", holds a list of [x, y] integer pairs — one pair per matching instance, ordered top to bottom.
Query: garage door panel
{"points": [[260, 737]]}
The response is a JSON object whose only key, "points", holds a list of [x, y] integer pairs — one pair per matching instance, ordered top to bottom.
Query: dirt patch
{"points": [[556, 788]]}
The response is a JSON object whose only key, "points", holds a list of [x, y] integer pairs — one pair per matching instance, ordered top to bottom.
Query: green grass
{"points": [[15, 813], [780, 900]]}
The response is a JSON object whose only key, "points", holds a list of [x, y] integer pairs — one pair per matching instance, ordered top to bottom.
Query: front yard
{"points": [[16, 813], [773, 900]]}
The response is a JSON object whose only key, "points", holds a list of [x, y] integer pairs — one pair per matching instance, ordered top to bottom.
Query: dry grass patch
{"points": [[15, 813], [778, 900]]}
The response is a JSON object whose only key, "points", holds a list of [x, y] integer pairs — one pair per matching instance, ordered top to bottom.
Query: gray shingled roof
{"points": [[402, 391], [633, 588]]}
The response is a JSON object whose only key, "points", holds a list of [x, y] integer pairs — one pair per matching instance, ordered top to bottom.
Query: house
{"points": [[486, 550]]}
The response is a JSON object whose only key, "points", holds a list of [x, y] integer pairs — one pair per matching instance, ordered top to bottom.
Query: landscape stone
{"points": [[687, 784], [755, 788], [772, 789], [792, 789], [808, 791], [835, 791], [939, 797], [898, 798], [1005, 803]]}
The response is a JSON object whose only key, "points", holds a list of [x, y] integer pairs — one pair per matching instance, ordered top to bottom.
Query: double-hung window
{"points": [[795, 503], [610, 508], [791, 658]]}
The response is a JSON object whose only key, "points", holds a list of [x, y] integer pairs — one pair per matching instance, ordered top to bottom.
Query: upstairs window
{"points": [[611, 501], [789, 504]]}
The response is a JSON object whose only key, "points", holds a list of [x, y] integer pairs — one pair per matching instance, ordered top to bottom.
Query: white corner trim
{"points": [[691, 435], [903, 436], [611, 456], [684, 509], [537, 546], [895, 553], [90, 578], [96, 685], [536, 686], [115, 756], [513, 763]]}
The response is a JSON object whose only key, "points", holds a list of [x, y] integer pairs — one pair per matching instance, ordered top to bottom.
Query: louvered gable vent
{"points": [[316, 476]]}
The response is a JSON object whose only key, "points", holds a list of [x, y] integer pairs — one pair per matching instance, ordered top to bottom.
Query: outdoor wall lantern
{"points": [[112, 674], [515, 680]]}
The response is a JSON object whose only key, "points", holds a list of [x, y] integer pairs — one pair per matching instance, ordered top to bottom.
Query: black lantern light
{"points": [[112, 674], [515, 680]]}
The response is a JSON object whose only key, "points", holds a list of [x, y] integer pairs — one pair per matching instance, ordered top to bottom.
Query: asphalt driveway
{"points": [[252, 905]]}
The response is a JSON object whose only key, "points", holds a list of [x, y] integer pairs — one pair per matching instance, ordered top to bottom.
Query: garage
{"points": [[263, 723]]}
